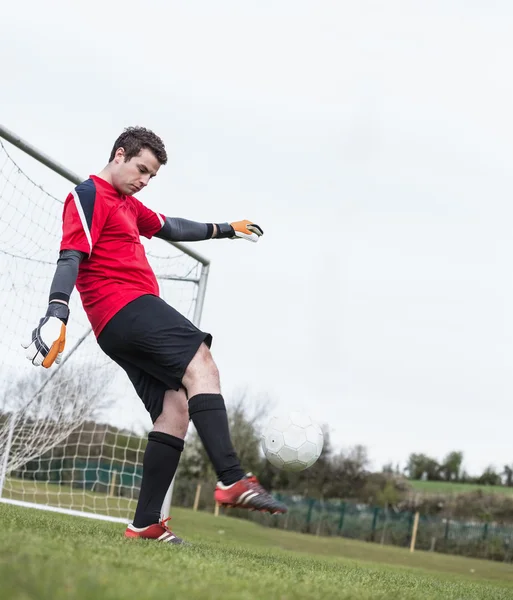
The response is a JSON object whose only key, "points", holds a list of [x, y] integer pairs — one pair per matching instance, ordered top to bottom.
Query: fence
{"points": [[386, 526]]}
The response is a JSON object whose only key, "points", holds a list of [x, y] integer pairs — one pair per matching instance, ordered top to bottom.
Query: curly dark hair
{"points": [[134, 139]]}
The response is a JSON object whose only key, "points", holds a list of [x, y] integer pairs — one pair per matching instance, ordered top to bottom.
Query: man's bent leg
{"points": [[208, 413], [165, 445]]}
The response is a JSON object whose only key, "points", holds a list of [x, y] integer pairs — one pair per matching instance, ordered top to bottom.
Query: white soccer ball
{"points": [[292, 442]]}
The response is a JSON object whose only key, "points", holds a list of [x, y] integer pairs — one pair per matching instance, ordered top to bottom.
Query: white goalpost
{"points": [[72, 437]]}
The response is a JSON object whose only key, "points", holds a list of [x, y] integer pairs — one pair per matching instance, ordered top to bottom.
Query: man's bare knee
{"points": [[202, 364], [202, 375], [174, 418]]}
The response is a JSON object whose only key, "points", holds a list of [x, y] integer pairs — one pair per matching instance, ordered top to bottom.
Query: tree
{"points": [[70, 392], [44, 408], [245, 415], [194, 463], [421, 466], [451, 466], [349, 472], [508, 475], [489, 477], [317, 481], [387, 498]]}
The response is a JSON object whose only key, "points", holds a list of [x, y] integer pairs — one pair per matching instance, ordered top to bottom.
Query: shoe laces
{"points": [[255, 484], [163, 524]]}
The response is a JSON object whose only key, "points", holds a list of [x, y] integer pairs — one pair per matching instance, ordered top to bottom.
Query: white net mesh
{"points": [[71, 436]]}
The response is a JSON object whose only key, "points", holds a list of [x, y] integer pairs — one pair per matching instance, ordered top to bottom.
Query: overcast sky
{"points": [[372, 141]]}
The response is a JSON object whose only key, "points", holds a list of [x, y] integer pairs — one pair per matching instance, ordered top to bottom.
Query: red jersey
{"points": [[107, 226]]}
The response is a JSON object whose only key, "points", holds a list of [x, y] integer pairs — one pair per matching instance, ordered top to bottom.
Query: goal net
{"points": [[73, 436]]}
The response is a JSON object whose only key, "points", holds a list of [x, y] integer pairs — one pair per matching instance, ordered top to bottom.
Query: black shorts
{"points": [[154, 344]]}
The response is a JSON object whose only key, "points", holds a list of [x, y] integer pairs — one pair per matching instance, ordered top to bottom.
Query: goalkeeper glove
{"points": [[240, 229], [49, 337]]}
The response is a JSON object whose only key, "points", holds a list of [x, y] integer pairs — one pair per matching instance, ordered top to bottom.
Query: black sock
{"points": [[208, 413], [159, 466]]}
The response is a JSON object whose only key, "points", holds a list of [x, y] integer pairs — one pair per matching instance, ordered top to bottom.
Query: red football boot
{"points": [[248, 493], [158, 531]]}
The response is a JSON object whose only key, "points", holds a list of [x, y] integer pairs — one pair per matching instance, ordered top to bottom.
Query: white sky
{"points": [[372, 141]]}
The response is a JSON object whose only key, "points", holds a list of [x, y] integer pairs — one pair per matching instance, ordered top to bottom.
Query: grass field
{"points": [[447, 487], [50, 556]]}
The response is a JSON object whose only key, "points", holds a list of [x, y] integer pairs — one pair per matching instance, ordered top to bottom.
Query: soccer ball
{"points": [[292, 442]]}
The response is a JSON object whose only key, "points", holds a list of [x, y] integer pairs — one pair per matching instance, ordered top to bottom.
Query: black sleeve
{"points": [[183, 230], [66, 274]]}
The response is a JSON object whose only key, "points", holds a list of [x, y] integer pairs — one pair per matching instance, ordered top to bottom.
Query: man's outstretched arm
{"points": [[183, 230]]}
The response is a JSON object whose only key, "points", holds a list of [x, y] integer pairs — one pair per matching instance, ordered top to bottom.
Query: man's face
{"points": [[132, 176]]}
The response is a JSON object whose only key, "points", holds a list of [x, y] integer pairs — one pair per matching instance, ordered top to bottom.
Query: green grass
{"points": [[447, 487], [50, 556]]}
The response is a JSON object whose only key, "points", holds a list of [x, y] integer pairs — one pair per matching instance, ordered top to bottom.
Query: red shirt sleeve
{"points": [[83, 218], [149, 222]]}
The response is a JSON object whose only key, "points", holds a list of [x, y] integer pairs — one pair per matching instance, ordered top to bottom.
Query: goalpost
{"points": [[72, 437]]}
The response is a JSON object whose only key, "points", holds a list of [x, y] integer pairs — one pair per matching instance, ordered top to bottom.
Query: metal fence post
{"points": [[311, 504], [341, 518], [374, 523], [446, 534]]}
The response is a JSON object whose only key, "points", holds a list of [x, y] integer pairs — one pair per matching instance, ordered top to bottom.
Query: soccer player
{"points": [[166, 357]]}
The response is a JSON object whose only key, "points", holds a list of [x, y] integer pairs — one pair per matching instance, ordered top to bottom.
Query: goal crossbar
{"points": [[72, 177]]}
